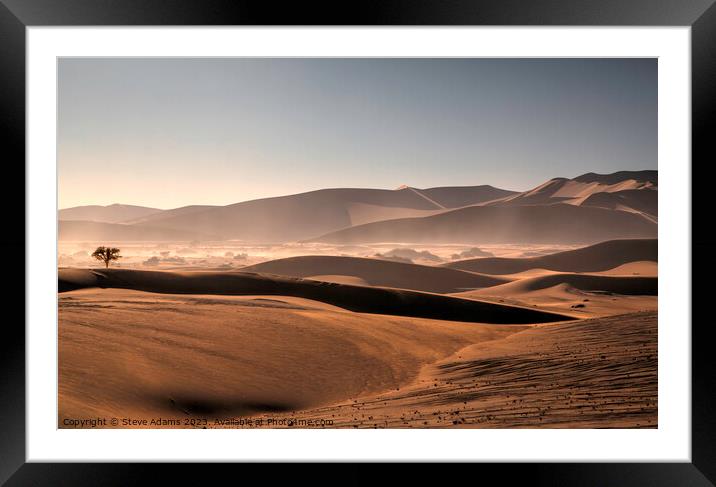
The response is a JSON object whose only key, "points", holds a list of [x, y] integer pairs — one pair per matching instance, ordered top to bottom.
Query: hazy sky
{"points": [[173, 132]]}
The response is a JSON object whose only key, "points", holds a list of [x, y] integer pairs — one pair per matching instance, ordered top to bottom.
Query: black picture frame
{"points": [[17, 15]]}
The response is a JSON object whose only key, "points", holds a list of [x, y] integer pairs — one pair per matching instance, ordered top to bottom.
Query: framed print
{"points": [[421, 233]]}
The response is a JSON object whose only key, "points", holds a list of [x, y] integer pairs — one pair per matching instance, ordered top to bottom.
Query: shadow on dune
{"points": [[594, 258], [379, 273], [634, 286], [353, 298], [209, 406]]}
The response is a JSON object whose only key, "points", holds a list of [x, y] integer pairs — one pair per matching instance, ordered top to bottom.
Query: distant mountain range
{"points": [[586, 209], [107, 214]]}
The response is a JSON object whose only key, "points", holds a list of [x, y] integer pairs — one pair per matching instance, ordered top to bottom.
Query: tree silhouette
{"points": [[106, 254]]}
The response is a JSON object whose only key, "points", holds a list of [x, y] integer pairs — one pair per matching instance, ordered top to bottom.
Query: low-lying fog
{"points": [[235, 254]]}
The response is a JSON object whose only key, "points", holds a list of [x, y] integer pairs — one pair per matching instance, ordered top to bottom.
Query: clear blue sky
{"points": [[173, 132]]}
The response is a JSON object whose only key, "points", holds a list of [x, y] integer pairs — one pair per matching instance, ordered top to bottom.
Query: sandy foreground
{"points": [[131, 354], [184, 360], [598, 373]]}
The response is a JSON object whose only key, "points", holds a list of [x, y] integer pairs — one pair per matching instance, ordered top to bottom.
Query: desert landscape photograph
{"points": [[357, 243]]}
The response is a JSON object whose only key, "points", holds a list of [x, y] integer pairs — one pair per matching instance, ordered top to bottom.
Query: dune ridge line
{"points": [[360, 299]]}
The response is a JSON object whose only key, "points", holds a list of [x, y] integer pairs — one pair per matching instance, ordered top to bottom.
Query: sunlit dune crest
{"points": [[586, 209]]}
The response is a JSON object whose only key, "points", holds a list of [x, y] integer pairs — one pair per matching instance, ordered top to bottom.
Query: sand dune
{"points": [[647, 177], [576, 191], [459, 196], [643, 201], [361, 213], [107, 214], [431, 215], [301, 216], [157, 218], [558, 223], [69, 230], [599, 257], [646, 268], [378, 272], [528, 273], [339, 279], [641, 286], [584, 295], [354, 298], [563, 298], [131, 354], [597, 373]]}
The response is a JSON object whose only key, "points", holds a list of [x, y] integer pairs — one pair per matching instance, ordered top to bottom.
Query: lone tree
{"points": [[106, 254]]}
